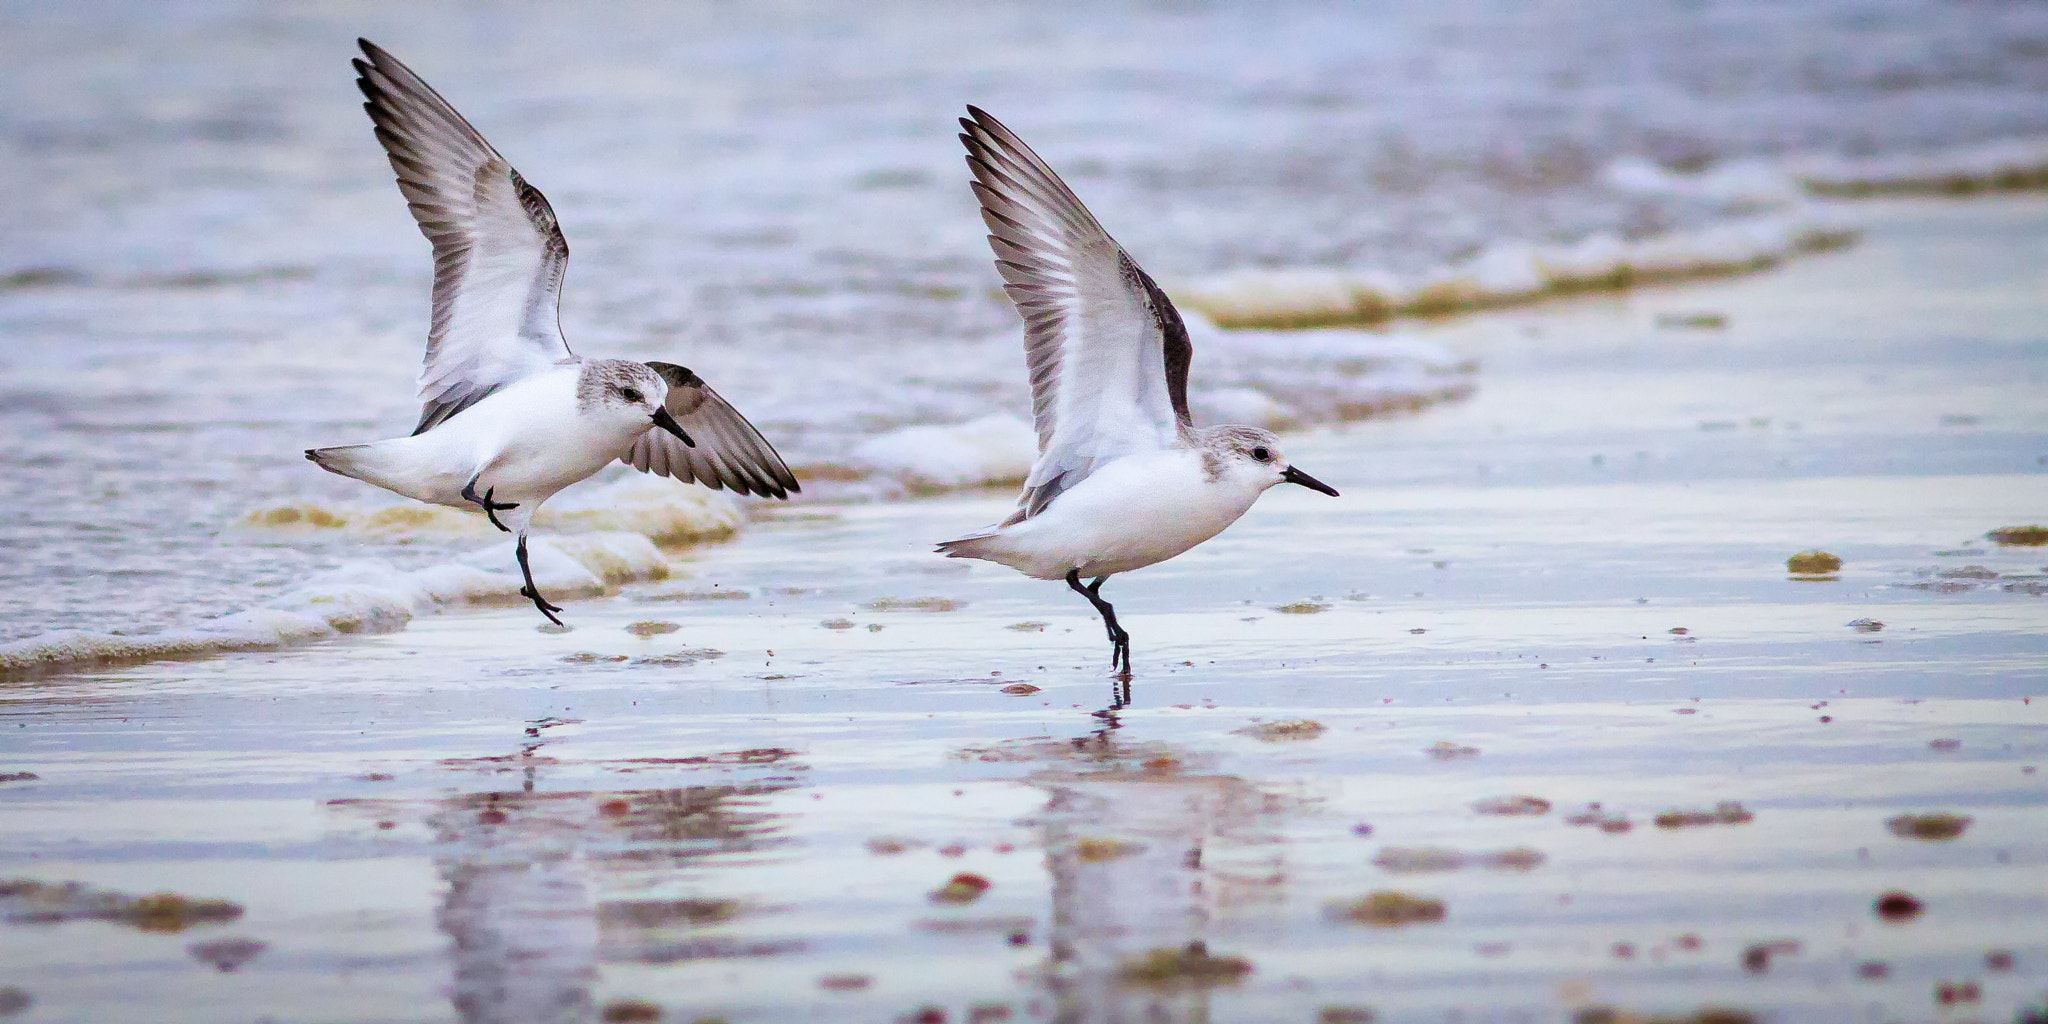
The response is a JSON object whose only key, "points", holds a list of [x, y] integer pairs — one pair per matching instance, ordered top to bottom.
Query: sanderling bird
{"points": [[511, 415], [1123, 478]]}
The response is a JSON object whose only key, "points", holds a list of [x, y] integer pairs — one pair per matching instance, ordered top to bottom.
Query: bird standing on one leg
{"points": [[511, 415], [1123, 478]]}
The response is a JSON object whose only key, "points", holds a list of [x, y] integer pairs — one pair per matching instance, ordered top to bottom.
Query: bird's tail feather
{"points": [[371, 463], [974, 545]]}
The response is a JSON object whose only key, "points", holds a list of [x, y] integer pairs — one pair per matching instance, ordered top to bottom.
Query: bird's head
{"points": [[632, 393], [1251, 457]]}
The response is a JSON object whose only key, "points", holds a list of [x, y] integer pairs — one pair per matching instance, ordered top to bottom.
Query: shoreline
{"points": [[368, 596], [1535, 722]]}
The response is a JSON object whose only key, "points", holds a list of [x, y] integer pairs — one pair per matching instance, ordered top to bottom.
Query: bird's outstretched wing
{"points": [[498, 254], [1107, 352], [729, 451]]}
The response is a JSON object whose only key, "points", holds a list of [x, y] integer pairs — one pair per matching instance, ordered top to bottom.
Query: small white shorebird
{"points": [[511, 415], [1124, 478]]}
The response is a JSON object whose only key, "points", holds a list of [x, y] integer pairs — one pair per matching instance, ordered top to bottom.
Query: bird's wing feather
{"points": [[498, 253], [1107, 351], [729, 452]]}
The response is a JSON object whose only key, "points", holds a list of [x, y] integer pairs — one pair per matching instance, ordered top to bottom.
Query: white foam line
{"points": [[1998, 166], [1513, 273], [359, 597]]}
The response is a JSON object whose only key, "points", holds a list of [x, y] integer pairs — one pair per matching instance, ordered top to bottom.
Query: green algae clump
{"points": [[2020, 536], [1812, 563], [1303, 608], [1095, 851], [1388, 909], [170, 912], [1192, 967], [1704, 1015]]}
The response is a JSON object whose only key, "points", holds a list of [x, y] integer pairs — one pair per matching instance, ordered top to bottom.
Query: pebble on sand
{"points": [[914, 604], [1282, 732], [1512, 806], [1727, 812], [1935, 827], [964, 887], [1898, 907], [226, 955], [1756, 959], [1950, 993], [630, 1011], [1346, 1015], [1703, 1015]]}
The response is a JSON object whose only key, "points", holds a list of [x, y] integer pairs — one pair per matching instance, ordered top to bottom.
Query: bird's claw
{"points": [[491, 508], [1120, 654]]}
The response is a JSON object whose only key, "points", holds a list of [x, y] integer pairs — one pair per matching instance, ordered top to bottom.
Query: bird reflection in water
{"points": [[1153, 861], [532, 874]]}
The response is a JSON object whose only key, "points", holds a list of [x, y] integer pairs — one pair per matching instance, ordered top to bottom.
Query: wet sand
{"points": [[827, 800]]}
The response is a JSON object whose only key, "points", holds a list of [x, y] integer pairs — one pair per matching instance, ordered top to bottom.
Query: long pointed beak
{"points": [[666, 422], [1295, 476]]}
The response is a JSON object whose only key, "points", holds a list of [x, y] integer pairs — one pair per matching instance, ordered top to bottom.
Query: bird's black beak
{"points": [[666, 422], [1295, 476]]}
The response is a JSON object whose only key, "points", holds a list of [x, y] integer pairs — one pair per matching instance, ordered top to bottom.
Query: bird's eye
{"points": [[632, 395], [1261, 454]]}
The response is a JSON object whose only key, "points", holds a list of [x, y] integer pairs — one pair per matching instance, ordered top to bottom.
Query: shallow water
{"points": [[204, 267], [757, 815]]}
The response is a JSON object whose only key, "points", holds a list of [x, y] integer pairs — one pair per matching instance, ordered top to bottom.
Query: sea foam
{"points": [[2001, 165], [1512, 273], [981, 452], [658, 508], [365, 596]]}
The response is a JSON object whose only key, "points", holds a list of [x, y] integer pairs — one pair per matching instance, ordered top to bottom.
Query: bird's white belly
{"points": [[524, 444], [1127, 515]]}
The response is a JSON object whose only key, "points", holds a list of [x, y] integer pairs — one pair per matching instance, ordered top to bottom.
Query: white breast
{"points": [[528, 441], [1127, 515]]}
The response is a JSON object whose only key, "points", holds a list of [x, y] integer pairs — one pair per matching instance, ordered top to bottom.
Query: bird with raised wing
{"points": [[511, 415], [1124, 478]]}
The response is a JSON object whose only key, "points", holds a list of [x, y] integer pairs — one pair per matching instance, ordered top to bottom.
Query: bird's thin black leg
{"points": [[491, 508], [529, 590], [1119, 641]]}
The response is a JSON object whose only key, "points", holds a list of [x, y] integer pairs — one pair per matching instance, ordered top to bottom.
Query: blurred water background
{"points": [[204, 266], [1531, 725]]}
